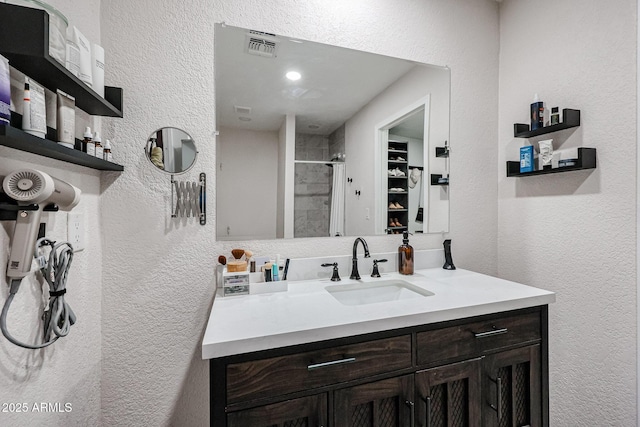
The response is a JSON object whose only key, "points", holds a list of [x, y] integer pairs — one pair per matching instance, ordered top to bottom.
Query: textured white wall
{"points": [[246, 184], [574, 233], [158, 274], [69, 371]]}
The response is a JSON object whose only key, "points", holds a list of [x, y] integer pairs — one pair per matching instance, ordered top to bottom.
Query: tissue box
{"points": [[526, 159]]}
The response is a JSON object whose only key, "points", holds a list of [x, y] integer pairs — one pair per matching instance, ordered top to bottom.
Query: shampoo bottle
{"points": [[537, 113], [405, 255]]}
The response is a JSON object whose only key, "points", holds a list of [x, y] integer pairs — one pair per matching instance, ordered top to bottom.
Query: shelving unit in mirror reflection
{"points": [[397, 188]]}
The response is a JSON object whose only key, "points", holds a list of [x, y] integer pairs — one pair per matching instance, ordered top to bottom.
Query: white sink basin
{"points": [[375, 292]]}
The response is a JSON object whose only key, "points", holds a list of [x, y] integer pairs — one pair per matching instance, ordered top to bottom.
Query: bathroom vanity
{"points": [[465, 350]]}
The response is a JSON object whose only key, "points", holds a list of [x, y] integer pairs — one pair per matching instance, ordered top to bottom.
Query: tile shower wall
{"points": [[312, 147], [312, 190], [312, 199]]}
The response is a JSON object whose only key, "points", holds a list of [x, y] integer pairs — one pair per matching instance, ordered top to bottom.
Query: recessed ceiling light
{"points": [[293, 75], [244, 119], [314, 126]]}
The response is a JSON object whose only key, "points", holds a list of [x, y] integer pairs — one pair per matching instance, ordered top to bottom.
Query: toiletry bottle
{"points": [[26, 108], [537, 113], [555, 116], [88, 137], [91, 144], [107, 151], [99, 153], [405, 255]]}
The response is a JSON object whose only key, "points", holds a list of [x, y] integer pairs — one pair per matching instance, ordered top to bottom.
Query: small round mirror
{"points": [[171, 150]]}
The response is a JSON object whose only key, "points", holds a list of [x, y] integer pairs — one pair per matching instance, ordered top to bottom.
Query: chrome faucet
{"points": [[354, 267]]}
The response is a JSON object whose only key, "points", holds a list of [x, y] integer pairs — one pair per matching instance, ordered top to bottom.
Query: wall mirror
{"points": [[317, 140], [171, 150]]}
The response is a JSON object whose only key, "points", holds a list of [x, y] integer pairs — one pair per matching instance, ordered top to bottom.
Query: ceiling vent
{"points": [[261, 44], [242, 110]]}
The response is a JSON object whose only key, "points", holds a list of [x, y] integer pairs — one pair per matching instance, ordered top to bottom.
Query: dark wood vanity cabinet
{"points": [[488, 370], [305, 411]]}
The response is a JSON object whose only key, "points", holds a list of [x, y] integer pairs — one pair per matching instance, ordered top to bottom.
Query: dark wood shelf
{"points": [[24, 41], [570, 119], [16, 138], [586, 160]]}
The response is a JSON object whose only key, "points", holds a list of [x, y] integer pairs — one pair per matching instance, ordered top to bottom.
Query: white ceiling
{"points": [[335, 83]]}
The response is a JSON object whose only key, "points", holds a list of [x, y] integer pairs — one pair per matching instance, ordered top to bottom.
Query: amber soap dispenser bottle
{"points": [[405, 255]]}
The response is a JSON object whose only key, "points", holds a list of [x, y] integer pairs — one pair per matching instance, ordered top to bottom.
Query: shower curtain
{"points": [[336, 221]]}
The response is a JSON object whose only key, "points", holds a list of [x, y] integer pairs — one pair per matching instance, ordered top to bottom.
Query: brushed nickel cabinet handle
{"points": [[491, 333], [331, 363]]}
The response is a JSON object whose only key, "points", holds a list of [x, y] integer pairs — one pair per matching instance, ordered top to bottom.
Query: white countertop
{"points": [[308, 313]]}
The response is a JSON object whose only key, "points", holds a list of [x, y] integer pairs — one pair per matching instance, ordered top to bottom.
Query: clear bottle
{"points": [[88, 137], [107, 151], [99, 153], [405, 255]]}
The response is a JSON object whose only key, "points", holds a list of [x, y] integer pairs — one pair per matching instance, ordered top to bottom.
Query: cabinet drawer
{"points": [[474, 338], [304, 371]]}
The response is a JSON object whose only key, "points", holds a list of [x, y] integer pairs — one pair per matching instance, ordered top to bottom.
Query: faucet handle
{"points": [[375, 272], [335, 277]]}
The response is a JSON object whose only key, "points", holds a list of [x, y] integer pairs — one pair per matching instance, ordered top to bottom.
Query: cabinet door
{"points": [[512, 385], [449, 396], [386, 403], [303, 412]]}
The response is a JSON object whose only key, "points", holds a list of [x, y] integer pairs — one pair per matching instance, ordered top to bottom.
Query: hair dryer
{"points": [[28, 186]]}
